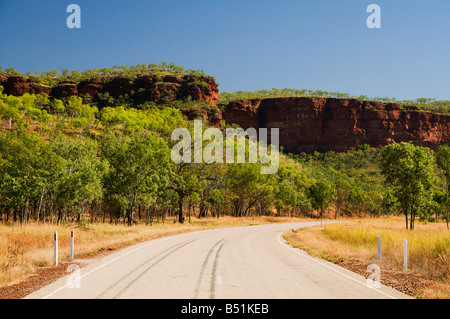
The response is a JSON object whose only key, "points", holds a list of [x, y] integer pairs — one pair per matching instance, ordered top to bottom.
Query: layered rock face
{"points": [[160, 89], [305, 124], [323, 124]]}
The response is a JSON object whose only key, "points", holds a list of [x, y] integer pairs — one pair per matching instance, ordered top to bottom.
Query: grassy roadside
{"points": [[353, 245], [23, 251]]}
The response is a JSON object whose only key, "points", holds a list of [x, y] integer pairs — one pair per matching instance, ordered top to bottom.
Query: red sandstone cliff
{"points": [[160, 89], [306, 124], [310, 124]]}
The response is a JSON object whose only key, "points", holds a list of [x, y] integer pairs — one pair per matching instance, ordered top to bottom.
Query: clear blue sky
{"points": [[245, 44]]}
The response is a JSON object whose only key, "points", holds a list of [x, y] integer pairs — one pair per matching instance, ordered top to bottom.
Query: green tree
{"points": [[10, 114], [443, 161], [26, 162], [139, 167], [410, 170], [185, 179], [78, 180], [246, 186], [343, 188], [322, 194], [286, 197], [389, 201], [303, 203]]}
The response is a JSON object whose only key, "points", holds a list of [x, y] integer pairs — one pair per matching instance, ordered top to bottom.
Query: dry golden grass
{"points": [[428, 247], [24, 249]]}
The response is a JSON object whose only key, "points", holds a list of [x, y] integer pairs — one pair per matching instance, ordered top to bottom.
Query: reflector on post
{"points": [[71, 244], [56, 248]]}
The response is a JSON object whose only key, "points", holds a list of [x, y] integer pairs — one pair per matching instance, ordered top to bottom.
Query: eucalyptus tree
{"points": [[10, 114], [443, 161], [26, 162], [138, 169], [409, 169], [185, 180], [77, 183], [247, 186], [343, 188], [322, 194], [285, 197], [303, 203]]}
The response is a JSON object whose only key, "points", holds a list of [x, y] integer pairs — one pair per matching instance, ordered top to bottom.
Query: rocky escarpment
{"points": [[18, 85], [156, 88], [305, 124], [321, 124]]}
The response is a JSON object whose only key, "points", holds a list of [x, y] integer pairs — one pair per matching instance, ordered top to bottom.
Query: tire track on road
{"points": [[171, 249], [150, 267], [202, 270], [214, 271]]}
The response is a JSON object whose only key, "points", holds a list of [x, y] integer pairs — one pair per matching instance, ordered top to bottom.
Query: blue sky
{"points": [[247, 44]]}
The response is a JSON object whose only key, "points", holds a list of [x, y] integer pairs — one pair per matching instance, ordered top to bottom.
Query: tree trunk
{"points": [[448, 177], [180, 209], [39, 210], [189, 212], [103, 215], [151, 215], [165, 215], [321, 215], [59, 217], [130, 217], [406, 218]]}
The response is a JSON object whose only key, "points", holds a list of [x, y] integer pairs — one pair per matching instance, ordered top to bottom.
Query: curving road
{"points": [[250, 262]]}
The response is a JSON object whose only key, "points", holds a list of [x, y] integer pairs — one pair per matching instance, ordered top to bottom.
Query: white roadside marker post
{"points": [[71, 244], [56, 248], [379, 248], [405, 255]]}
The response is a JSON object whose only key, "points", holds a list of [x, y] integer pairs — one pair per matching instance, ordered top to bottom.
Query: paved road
{"points": [[239, 262]]}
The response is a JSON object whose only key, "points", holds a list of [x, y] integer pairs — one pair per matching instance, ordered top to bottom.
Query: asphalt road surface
{"points": [[249, 262]]}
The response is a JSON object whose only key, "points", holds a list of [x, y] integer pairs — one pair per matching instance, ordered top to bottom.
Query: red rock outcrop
{"points": [[18, 85], [90, 87], [37, 88], [155, 88], [202, 88], [64, 90], [214, 116], [322, 124]]}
